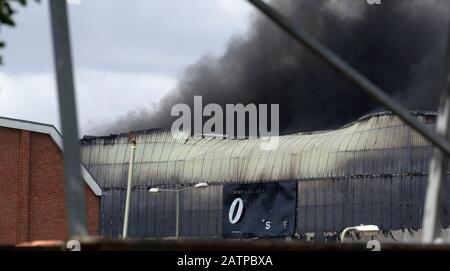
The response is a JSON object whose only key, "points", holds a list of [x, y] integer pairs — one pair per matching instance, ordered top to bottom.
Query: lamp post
{"points": [[129, 185], [177, 192], [367, 230]]}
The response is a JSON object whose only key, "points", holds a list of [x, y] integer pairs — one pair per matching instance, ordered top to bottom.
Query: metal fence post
{"points": [[74, 185], [432, 217], [432, 220]]}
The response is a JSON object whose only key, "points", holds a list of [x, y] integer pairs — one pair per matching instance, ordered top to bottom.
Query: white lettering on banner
{"points": [[237, 217]]}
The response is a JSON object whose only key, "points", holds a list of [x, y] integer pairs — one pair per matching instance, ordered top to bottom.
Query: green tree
{"points": [[7, 13]]}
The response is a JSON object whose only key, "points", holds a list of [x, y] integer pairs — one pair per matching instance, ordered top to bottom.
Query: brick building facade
{"points": [[32, 199]]}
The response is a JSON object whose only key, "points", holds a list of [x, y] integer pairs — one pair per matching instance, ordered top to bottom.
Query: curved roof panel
{"points": [[375, 145]]}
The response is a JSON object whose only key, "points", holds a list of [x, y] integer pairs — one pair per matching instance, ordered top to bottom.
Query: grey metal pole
{"points": [[351, 74], [74, 185], [129, 186], [432, 217], [432, 220], [177, 226]]}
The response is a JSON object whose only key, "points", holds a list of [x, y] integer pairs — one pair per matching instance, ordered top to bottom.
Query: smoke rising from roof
{"points": [[399, 45]]}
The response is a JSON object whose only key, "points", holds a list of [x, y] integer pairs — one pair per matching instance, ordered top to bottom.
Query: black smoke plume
{"points": [[399, 45]]}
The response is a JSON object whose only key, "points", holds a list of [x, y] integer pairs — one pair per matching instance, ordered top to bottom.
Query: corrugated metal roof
{"points": [[375, 145], [372, 171]]}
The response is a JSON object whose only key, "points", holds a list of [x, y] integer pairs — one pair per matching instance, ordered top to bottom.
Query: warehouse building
{"points": [[372, 171], [32, 200]]}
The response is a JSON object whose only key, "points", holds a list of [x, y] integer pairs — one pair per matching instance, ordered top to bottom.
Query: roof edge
{"points": [[57, 138], [87, 138]]}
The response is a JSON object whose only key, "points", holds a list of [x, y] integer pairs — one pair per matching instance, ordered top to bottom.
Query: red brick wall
{"points": [[32, 202]]}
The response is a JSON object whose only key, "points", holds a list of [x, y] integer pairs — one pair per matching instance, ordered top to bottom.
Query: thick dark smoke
{"points": [[399, 45]]}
